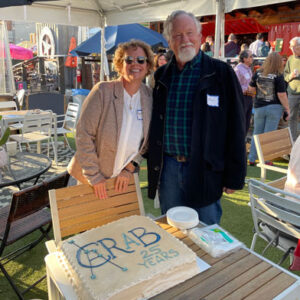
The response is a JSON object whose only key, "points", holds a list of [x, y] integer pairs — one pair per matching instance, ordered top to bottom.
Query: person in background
{"points": [[210, 40], [255, 46], [205, 47], [244, 47], [232, 48], [284, 58], [159, 60], [244, 75], [292, 77], [270, 98], [112, 131], [197, 134], [292, 185]]}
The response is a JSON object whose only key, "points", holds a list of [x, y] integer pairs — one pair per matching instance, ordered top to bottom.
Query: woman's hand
{"points": [[122, 181], [100, 190]]}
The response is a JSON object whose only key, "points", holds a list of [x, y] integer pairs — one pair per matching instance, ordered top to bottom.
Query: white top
{"points": [[254, 46], [131, 132], [292, 184]]}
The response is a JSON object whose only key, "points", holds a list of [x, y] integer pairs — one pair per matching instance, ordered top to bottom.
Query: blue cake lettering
{"points": [[141, 237], [128, 240], [108, 248], [93, 257]]}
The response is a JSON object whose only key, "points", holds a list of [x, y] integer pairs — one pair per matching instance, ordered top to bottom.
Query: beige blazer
{"points": [[98, 131]]}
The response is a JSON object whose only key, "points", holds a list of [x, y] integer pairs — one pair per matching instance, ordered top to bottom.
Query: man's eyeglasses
{"points": [[140, 60]]}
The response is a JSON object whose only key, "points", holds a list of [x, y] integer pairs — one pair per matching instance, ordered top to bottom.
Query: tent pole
{"points": [[219, 13], [222, 20], [102, 41]]}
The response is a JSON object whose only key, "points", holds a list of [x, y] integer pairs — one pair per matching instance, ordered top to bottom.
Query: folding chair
{"points": [[11, 106], [67, 123], [36, 128], [271, 145], [76, 209], [28, 212], [276, 217]]}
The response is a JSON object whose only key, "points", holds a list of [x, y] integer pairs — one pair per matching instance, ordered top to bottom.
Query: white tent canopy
{"points": [[92, 12], [100, 13]]}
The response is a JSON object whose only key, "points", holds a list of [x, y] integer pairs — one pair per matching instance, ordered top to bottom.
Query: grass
{"points": [[236, 219]]}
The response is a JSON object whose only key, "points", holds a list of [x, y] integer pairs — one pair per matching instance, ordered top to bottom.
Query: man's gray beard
{"points": [[186, 55]]}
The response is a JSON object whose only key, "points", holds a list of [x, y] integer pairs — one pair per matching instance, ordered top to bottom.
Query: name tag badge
{"points": [[247, 76], [212, 100], [139, 114]]}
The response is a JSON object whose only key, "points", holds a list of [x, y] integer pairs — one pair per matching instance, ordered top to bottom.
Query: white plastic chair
{"points": [[8, 105], [11, 106], [67, 123], [36, 128], [276, 217]]}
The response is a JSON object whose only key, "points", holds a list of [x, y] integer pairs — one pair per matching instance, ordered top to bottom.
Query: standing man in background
{"points": [[255, 46], [232, 48], [244, 75], [292, 77], [197, 135]]}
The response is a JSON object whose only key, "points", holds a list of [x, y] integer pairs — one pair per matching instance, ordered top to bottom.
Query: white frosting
{"points": [[153, 265]]}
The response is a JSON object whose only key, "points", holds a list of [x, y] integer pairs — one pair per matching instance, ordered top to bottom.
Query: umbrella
{"points": [[119, 34], [17, 52]]}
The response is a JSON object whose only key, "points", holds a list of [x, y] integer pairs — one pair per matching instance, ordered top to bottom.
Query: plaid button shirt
{"points": [[178, 132]]}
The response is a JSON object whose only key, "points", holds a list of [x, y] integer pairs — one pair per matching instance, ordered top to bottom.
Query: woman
{"points": [[205, 47], [159, 60], [268, 84], [112, 130]]}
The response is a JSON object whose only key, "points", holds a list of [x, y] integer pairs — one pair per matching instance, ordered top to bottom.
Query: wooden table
{"points": [[18, 116], [239, 275]]}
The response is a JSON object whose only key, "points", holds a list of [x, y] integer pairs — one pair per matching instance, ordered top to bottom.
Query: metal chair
{"points": [[67, 123], [36, 128], [27, 213], [276, 217]]}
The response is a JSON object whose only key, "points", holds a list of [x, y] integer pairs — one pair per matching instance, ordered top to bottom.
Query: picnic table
{"points": [[239, 275]]}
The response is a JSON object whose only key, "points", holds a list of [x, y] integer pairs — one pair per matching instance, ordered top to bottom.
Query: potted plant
{"points": [[4, 137]]}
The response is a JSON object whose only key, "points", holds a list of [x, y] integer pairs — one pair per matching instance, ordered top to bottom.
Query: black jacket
{"points": [[218, 156]]}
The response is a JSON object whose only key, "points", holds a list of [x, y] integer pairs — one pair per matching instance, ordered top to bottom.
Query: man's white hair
{"points": [[168, 25], [296, 39]]}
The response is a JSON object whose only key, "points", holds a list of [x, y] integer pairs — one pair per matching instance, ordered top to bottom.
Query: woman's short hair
{"points": [[168, 25], [132, 44], [244, 54]]}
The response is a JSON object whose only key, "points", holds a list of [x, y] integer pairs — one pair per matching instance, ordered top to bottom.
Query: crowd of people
{"points": [[190, 120]]}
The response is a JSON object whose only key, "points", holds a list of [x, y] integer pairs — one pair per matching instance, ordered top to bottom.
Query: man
{"points": [[255, 46], [231, 47], [244, 75], [292, 77], [196, 142]]}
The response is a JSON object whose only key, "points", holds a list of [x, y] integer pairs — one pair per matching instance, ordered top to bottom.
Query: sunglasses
{"points": [[140, 60]]}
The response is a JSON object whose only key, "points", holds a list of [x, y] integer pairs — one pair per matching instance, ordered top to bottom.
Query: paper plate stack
{"points": [[182, 217]]}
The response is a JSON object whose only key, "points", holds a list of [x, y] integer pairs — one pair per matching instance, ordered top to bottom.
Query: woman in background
{"points": [[205, 47], [159, 60], [270, 98], [112, 130]]}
